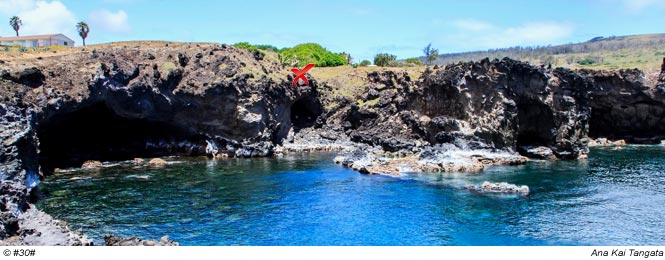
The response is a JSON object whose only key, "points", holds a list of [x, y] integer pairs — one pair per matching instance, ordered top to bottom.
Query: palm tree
{"points": [[16, 23], [83, 29]]}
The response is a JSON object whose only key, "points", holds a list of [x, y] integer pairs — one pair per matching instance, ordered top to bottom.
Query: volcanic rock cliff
{"points": [[127, 101], [122, 102]]}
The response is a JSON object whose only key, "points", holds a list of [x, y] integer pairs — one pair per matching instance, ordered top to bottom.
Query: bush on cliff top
{"points": [[306, 53], [301, 55], [384, 59]]}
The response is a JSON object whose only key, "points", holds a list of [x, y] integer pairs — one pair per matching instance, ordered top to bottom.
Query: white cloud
{"points": [[636, 6], [13, 7], [41, 17], [109, 22], [472, 25], [538, 33], [476, 35]]}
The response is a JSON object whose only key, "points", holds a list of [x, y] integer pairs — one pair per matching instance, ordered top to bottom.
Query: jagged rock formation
{"points": [[125, 102], [496, 105]]}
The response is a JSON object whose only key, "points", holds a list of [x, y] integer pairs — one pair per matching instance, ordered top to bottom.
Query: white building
{"points": [[38, 40]]}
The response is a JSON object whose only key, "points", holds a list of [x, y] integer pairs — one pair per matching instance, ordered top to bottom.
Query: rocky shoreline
{"points": [[124, 102]]}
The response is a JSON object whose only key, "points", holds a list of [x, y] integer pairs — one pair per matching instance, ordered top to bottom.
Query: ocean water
{"points": [[616, 197]]}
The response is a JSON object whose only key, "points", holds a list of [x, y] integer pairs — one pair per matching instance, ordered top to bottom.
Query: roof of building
{"points": [[33, 37]]}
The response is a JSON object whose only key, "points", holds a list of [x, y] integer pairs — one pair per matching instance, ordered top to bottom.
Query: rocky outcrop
{"points": [[505, 104], [495, 105], [431, 159], [36, 228], [111, 240]]}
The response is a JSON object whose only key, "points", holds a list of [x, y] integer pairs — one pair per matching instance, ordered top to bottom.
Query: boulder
{"points": [[538, 152]]}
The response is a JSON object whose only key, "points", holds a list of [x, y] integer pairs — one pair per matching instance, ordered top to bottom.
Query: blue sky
{"points": [[362, 28]]}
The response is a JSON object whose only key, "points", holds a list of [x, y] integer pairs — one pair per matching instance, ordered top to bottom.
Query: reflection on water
{"points": [[614, 198]]}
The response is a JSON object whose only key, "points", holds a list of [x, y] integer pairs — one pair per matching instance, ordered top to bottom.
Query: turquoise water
{"points": [[613, 198]]}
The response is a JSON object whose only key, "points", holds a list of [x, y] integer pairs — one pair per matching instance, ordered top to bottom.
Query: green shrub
{"points": [[245, 45], [267, 47], [660, 53], [303, 54], [300, 55], [384, 59], [586, 61], [414, 62], [365, 63]]}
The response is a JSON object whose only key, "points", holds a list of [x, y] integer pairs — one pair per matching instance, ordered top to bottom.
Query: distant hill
{"points": [[644, 52]]}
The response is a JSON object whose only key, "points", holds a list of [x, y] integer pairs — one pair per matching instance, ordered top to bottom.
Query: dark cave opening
{"points": [[304, 113], [635, 123], [601, 124], [536, 125], [97, 133]]}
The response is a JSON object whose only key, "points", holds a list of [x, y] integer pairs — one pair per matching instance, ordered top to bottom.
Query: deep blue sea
{"points": [[616, 197]]}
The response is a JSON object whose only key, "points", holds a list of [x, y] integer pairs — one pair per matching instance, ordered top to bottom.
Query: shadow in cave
{"points": [[304, 113], [625, 122], [536, 125], [97, 133]]}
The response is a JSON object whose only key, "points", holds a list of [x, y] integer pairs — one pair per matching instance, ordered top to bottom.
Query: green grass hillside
{"points": [[645, 52]]}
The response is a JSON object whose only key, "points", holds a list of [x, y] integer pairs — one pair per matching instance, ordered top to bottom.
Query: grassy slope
{"points": [[644, 52], [642, 57]]}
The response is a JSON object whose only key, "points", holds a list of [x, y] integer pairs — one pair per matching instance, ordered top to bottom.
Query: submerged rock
{"points": [[605, 142], [356, 159], [138, 161], [157, 162], [92, 164], [502, 187], [111, 240]]}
